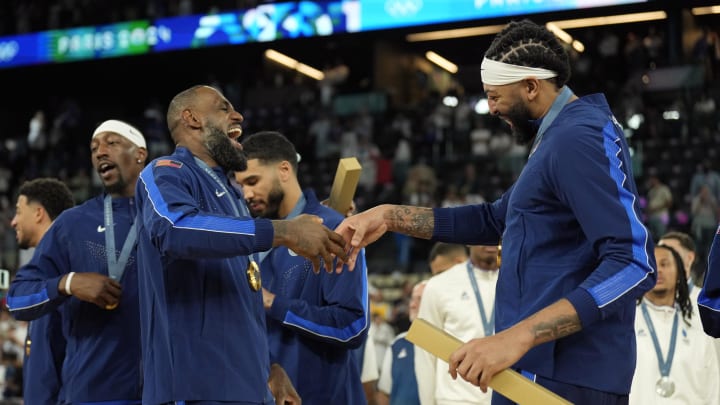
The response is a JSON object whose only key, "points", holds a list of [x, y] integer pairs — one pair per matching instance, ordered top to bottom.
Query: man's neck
{"points": [[292, 196], [488, 265], [661, 298]]}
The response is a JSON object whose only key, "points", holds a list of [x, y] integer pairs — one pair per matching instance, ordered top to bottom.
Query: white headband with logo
{"points": [[499, 73], [128, 131]]}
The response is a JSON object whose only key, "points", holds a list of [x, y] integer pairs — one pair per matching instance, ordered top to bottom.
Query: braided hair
{"points": [[525, 43], [682, 294]]}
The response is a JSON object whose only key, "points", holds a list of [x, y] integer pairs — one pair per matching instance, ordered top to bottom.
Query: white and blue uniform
{"points": [[398, 378]]}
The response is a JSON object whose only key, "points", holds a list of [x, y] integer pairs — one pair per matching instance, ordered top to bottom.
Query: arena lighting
{"points": [[705, 10], [610, 20], [455, 33], [565, 37], [578, 46], [442, 62], [294, 64], [482, 107]]}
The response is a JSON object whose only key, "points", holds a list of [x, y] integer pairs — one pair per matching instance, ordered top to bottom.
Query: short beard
{"points": [[522, 129], [223, 152], [118, 187], [275, 198], [24, 244]]}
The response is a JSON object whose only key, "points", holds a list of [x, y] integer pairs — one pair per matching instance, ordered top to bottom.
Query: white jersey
{"points": [[449, 302], [694, 371]]}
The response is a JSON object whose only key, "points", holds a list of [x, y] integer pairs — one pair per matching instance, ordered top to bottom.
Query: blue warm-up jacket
{"points": [[570, 228], [709, 298], [316, 319], [202, 327], [102, 359]]}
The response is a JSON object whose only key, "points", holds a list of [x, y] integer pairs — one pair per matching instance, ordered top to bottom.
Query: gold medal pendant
{"points": [[253, 276], [110, 307]]}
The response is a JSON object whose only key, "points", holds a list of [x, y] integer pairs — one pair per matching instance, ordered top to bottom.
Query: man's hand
{"points": [[308, 237], [95, 288], [268, 298], [281, 387]]}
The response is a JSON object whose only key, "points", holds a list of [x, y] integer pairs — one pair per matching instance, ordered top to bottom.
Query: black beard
{"points": [[522, 129], [223, 152], [118, 187], [275, 197], [23, 244]]}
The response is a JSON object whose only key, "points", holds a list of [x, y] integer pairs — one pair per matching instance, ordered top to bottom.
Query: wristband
{"points": [[67, 282]]}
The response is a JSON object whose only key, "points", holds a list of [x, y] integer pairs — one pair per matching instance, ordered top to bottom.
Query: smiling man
{"points": [[575, 254], [86, 262], [201, 305]]}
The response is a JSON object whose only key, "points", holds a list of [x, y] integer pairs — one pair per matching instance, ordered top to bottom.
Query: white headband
{"points": [[499, 73], [123, 129]]}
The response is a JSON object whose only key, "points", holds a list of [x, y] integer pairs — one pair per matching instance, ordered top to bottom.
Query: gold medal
{"points": [[253, 275], [110, 307], [27, 347]]}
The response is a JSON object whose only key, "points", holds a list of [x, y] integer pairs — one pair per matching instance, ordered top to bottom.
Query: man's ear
{"points": [[532, 88], [191, 119], [141, 155], [285, 170], [39, 214]]}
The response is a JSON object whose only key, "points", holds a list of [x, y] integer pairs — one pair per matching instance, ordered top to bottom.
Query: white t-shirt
{"points": [[449, 302], [694, 369]]}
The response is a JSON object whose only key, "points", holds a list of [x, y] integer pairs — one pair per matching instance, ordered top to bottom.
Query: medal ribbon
{"points": [[555, 109], [240, 210], [116, 266], [488, 326], [666, 364]]}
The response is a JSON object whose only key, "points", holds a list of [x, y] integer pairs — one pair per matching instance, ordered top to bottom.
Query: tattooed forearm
{"points": [[414, 221], [556, 328]]}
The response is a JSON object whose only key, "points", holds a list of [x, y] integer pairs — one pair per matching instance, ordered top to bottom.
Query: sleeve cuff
{"points": [[443, 223], [264, 234], [51, 286], [585, 305]]}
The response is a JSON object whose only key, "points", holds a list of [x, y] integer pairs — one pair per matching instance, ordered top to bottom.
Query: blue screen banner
{"points": [[264, 23]]}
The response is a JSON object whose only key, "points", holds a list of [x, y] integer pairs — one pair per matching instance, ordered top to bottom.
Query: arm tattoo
{"points": [[414, 221], [559, 327]]}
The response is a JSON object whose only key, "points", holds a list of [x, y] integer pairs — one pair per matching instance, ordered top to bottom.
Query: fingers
{"points": [[315, 263]]}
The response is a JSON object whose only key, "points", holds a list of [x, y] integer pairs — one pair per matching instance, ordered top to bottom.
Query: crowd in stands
{"points": [[427, 153]]}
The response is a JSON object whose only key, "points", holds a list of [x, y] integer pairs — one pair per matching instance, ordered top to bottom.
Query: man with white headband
{"points": [[575, 253], [85, 266]]}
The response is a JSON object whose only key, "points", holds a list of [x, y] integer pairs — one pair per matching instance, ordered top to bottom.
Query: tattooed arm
{"points": [[368, 226], [478, 360]]}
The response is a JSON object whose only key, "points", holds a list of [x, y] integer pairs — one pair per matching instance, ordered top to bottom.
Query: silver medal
{"points": [[665, 387]]}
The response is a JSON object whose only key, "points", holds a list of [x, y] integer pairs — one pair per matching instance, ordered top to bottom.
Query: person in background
{"points": [[39, 202], [684, 245], [577, 254], [445, 255], [86, 265], [461, 301], [201, 302], [313, 322], [676, 362], [398, 384]]}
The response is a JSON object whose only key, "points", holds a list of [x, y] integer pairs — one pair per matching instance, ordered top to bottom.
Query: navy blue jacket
{"points": [[570, 228], [709, 298], [316, 319], [202, 327], [44, 356], [102, 359]]}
